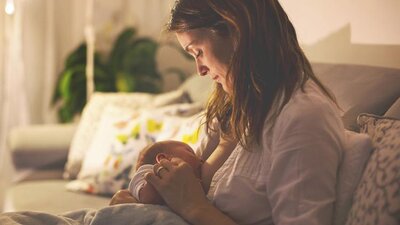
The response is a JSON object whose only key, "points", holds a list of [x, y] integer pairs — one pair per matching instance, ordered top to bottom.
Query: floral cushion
{"points": [[92, 113], [114, 149], [377, 198]]}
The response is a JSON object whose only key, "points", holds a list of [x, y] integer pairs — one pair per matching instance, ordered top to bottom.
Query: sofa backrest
{"points": [[198, 88], [360, 89]]}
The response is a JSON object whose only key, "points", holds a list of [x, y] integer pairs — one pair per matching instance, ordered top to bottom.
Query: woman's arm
{"points": [[215, 161], [183, 193], [208, 215]]}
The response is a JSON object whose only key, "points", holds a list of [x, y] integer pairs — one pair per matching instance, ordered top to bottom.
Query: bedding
{"points": [[124, 214]]}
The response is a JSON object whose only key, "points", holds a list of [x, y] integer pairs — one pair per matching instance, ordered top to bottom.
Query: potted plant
{"points": [[130, 67]]}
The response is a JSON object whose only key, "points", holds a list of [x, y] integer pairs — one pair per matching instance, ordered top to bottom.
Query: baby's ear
{"points": [[161, 156]]}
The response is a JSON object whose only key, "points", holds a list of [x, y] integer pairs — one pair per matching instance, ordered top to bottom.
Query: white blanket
{"points": [[124, 214]]}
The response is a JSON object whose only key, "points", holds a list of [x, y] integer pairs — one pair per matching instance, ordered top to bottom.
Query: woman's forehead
{"points": [[192, 36]]}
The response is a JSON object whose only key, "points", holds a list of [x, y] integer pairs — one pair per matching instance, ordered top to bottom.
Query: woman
{"points": [[289, 133]]}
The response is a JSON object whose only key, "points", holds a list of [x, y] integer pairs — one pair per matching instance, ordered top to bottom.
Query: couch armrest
{"points": [[40, 146]]}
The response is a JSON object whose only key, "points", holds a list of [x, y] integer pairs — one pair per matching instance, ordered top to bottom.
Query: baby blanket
{"points": [[123, 214]]}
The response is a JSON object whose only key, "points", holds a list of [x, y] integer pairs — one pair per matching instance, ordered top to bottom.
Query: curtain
{"points": [[34, 42], [14, 108]]}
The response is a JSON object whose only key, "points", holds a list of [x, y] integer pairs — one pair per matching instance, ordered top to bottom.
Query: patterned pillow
{"points": [[92, 112], [114, 149], [377, 198]]}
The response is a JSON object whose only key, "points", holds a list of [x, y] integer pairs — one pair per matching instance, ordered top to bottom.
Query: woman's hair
{"points": [[267, 65]]}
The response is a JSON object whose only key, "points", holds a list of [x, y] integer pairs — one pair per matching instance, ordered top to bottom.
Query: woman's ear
{"points": [[161, 156]]}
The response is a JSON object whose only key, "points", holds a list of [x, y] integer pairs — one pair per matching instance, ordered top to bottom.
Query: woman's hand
{"points": [[178, 186], [183, 193], [122, 196]]}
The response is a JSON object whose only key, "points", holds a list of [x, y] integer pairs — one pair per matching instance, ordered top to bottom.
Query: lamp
{"points": [[10, 7]]}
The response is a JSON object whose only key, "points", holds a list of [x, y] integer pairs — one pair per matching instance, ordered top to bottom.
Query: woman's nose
{"points": [[202, 69]]}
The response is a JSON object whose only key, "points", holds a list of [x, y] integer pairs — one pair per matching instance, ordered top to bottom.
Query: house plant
{"points": [[130, 67]]}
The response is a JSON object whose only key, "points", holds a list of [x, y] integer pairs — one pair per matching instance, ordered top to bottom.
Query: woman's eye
{"points": [[198, 53]]}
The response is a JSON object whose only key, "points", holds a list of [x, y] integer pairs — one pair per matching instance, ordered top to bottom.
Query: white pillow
{"points": [[92, 112], [185, 129], [121, 135], [113, 140], [114, 150], [356, 154]]}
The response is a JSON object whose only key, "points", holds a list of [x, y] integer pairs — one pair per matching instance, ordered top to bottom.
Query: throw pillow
{"points": [[92, 112], [190, 131], [113, 152], [355, 155], [377, 198]]}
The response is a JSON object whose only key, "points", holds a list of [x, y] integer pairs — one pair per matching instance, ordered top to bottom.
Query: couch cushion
{"points": [[360, 89], [29, 144], [356, 153], [50, 196], [377, 198]]}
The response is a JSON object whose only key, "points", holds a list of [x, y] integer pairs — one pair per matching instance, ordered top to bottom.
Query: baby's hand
{"points": [[123, 196]]}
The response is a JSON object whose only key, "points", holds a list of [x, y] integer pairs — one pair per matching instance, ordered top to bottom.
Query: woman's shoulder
{"points": [[309, 106]]}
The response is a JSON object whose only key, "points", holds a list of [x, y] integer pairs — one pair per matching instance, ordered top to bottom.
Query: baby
{"points": [[139, 188]]}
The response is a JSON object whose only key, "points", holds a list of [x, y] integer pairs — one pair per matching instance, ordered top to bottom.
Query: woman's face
{"points": [[211, 52]]}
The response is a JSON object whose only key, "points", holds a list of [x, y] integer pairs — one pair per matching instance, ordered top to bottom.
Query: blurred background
{"points": [[48, 47]]}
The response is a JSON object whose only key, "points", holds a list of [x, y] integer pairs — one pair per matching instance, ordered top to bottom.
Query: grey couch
{"points": [[43, 149]]}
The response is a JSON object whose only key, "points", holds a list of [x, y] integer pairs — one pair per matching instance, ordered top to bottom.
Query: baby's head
{"points": [[155, 152], [152, 154]]}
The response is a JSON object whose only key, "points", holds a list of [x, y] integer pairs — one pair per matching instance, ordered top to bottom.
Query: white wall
{"points": [[339, 31]]}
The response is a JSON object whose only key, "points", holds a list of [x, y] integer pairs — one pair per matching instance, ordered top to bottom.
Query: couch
{"points": [[41, 151]]}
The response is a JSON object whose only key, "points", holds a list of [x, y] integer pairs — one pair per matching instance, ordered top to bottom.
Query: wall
{"points": [[337, 31], [362, 32]]}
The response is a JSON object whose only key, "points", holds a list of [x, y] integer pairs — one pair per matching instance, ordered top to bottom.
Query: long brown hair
{"points": [[267, 65]]}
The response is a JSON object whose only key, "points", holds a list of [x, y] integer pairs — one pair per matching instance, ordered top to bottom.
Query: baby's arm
{"points": [[215, 161], [141, 190], [149, 195], [123, 196]]}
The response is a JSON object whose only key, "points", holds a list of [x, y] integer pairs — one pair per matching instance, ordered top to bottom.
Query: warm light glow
{"points": [[10, 7]]}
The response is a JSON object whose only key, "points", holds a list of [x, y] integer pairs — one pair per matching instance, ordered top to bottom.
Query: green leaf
{"points": [[119, 48], [140, 54], [78, 56], [130, 66], [125, 83], [65, 85], [65, 114]]}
